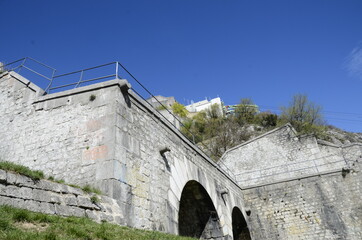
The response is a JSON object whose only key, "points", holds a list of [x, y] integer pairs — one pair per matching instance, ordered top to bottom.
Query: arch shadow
{"points": [[197, 214], [240, 227]]}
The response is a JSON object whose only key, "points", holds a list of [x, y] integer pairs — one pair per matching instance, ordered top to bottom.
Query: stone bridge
{"points": [[107, 136]]}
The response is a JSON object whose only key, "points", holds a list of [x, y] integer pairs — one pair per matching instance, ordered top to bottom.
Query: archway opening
{"points": [[197, 215], [240, 228]]}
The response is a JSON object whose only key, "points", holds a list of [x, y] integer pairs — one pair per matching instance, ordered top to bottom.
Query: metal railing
{"points": [[33, 66]]}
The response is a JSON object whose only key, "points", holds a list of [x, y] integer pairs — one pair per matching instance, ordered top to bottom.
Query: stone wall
{"points": [[65, 135], [107, 136], [281, 154], [153, 163], [53, 198], [319, 207]]}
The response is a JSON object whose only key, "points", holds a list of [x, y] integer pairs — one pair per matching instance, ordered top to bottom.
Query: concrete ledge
{"points": [[27, 83], [122, 83]]}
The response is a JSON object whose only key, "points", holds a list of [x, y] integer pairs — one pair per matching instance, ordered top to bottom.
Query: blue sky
{"points": [[192, 49]]}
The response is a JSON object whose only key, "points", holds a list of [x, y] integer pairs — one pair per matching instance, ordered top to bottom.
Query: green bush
{"points": [[179, 110], [266, 119]]}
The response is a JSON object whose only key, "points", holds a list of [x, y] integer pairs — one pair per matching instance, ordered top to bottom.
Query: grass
{"points": [[9, 166], [37, 175], [89, 189], [19, 224]]}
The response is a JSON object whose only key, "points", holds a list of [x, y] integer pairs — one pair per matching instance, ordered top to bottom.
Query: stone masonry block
{"points": [[56, 103], [95, 154], [109, 169], [2, 175], [11, 177], [21, 180], [51, 186], [73, 190], [11, 191], [25, 193], [42, 195], [6, 200], [70, 200], [85, 202], [32, 205], [47, 208], [69, 211], [92, 215]]}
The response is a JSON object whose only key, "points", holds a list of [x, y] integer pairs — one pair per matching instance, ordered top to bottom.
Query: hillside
{"points": [[18, 224]]}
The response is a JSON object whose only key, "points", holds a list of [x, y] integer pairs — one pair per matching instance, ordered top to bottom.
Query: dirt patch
{"points": [[39, 227]]}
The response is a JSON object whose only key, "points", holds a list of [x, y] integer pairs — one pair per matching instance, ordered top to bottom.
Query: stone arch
{"points": [[197, 214], [240, 227]]}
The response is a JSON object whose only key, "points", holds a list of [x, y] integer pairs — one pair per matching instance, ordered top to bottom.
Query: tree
{"points": [[179, 110], [214, 111], [245, 111], [304, 115], [266, 119]]}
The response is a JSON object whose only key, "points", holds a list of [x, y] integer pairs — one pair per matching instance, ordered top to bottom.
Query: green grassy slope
{"points": [[19, 224]]}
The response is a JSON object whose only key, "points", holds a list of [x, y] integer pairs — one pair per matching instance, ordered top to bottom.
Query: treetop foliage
{"points": [[179, 110], [305, 116], [216, 133]]}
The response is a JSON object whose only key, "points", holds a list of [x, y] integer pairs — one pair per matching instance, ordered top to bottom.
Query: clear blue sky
{"points": [[192, 49]]}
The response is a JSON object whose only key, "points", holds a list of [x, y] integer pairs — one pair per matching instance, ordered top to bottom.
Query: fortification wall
{"points": [[66, 135], [105, 135], [281, 154], [155, 181], [53, 198], [319, 207]]}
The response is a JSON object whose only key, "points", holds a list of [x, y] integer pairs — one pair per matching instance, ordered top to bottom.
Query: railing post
{"points": [[22, 64], [117, 70], [80, 79], [50, 84]]}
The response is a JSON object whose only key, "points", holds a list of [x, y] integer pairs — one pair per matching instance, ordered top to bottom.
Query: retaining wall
{"points": [[107, 136], [54, 198], [320, 207]]}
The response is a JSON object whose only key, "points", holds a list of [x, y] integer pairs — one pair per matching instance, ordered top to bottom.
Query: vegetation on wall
{"points": [[9, 166], [36, 175]]}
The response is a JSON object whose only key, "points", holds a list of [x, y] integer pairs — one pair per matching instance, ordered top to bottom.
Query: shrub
{"points": [[179, 110], [266, 119]]}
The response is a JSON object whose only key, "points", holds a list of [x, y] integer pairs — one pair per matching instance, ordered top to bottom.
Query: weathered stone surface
{"points": [[115, 140], [281, 154], [2, 175], [73, 190], [42, 195], [47, 197], [70, 200], [85, 202], [32, 205], [319, 207], [47, 208], [69, 211], [92, 215]]}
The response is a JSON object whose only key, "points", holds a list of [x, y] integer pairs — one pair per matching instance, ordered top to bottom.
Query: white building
{"points": [[203, 105]]}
